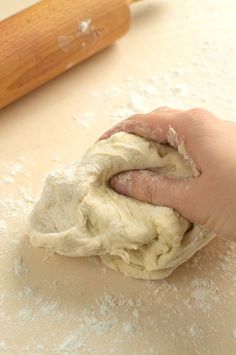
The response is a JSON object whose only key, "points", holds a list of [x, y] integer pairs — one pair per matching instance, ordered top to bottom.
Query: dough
{"points": [[78, 213]]}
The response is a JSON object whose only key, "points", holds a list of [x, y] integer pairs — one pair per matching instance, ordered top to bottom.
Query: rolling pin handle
{"points": [[133, 1]]}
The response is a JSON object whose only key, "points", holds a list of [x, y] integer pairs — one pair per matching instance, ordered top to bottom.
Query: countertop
{"points": [[178, 53]]}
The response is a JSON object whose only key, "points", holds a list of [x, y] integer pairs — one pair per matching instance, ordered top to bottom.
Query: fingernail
{"points": [[121, 183]]}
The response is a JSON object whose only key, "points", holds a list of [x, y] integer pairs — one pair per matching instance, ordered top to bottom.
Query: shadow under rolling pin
{"points": [[48, 38]]}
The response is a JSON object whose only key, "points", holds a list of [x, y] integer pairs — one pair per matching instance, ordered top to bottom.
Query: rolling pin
{"points": [[50, 37]]}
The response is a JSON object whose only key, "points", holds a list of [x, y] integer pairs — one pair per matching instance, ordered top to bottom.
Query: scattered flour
{"points": [[84, 26], [112, 91], [137, 102], [85, 119], [15, 169], [8, 180], [3, 228], [19, 266], [27, 292], [205, 294], [2, 297], [47, 309], [24, 314], [124, 316], [129, 328], [195, 331], [71, 344], [2, 346], [40, 348]]}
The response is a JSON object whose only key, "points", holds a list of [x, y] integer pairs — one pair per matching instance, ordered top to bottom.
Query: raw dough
{"points": [[78, 213]]}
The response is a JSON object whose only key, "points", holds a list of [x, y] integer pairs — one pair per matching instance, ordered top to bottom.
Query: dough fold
{"points": [[79, 214]]}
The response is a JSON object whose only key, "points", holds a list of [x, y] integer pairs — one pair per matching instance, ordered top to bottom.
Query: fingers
{"points": [[154, 126], [160, 190]]}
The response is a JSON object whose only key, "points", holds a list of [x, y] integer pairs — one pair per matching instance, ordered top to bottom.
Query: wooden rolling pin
{"points": [[52, 36]]}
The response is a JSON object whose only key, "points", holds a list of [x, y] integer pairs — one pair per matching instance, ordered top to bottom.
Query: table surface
{"points": [[178, 53]]}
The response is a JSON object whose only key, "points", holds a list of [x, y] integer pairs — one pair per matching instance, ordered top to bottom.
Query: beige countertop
{"points": [[178, 53]]}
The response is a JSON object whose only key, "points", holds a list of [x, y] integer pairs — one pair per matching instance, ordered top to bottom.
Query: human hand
{"points": [[210, 199]]}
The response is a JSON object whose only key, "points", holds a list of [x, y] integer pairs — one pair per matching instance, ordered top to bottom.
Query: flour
{"points": [[84, 26], [174, 88], [180, 89], [112, 91], [137, 102], [120, 113], [85, 119], [172, 138], [174, 141], [15, 169], [8, 180], [26, 194], [14, 207], [3, 228], [19, 266], [26, 293], [205, 294], [2, 297], [48, 309], [123, 312], [24, 314], [104, 316], [3, 317], [91, 323], [195, 331], [71, 344], [2, 346], [40, 349]]}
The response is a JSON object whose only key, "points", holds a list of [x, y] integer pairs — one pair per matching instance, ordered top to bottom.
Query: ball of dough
{"points": [[79, 214]]}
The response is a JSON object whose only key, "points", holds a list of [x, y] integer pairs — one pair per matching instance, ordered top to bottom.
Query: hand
{"points": [[210, 199]]}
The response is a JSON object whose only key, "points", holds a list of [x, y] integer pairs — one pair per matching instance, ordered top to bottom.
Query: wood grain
{"points": [[48, 38]]}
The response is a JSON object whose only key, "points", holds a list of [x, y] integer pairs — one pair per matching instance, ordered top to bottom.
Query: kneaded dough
{"points": [[79, 214]]}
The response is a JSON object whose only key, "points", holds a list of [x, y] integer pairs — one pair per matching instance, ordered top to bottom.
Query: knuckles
{"points": [[198, 113]]}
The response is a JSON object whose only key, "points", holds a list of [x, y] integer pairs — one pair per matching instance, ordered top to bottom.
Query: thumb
{"points": [[148, 186]]}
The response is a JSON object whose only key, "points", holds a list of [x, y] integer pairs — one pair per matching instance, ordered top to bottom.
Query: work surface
{"points": [[178, 53]]}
